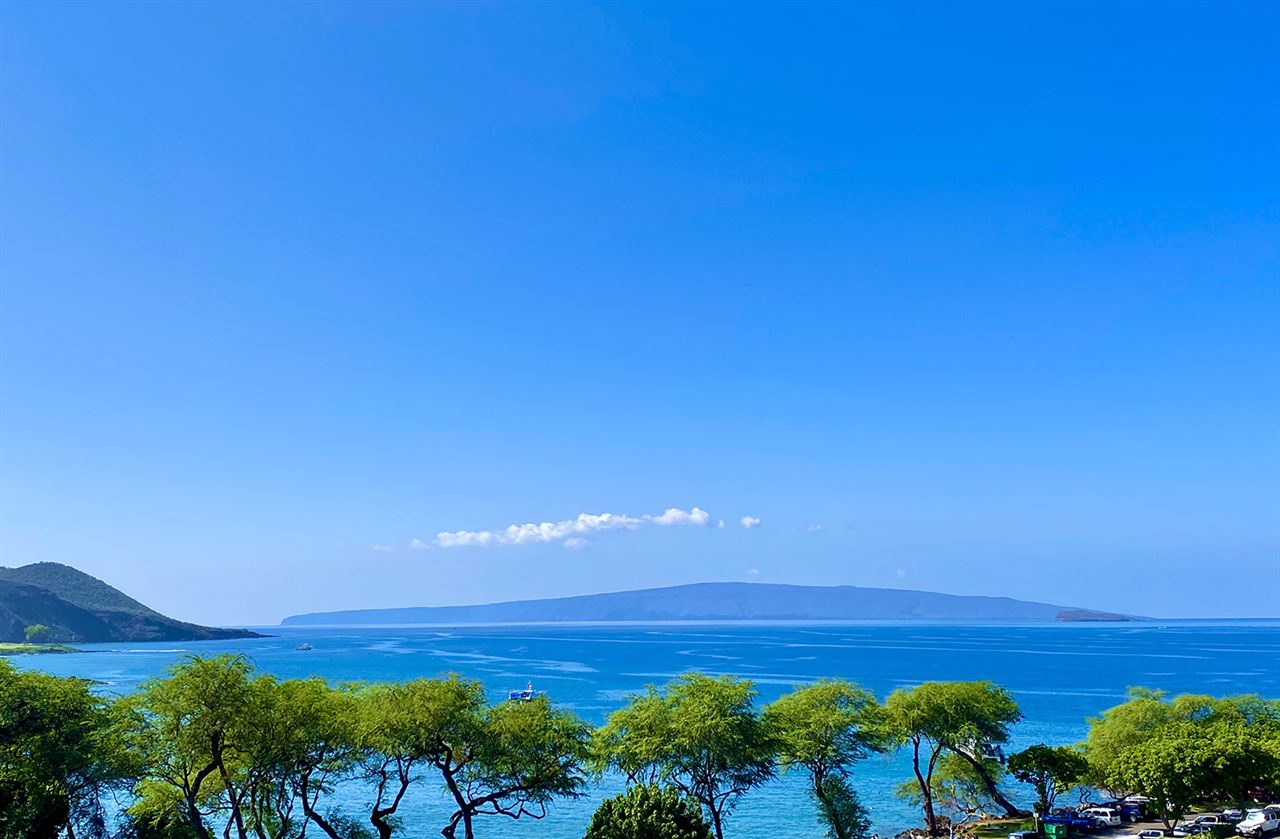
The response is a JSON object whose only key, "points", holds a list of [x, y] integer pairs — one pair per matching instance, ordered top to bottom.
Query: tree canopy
{"points": [[951, 717], [824, 729], [701, 734], [1186, 749], [57, 757], [1050, 770], [649, 811]]}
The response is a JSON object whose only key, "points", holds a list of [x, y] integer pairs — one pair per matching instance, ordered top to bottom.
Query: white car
{"points": [[1106, 815], [1259, 822]]}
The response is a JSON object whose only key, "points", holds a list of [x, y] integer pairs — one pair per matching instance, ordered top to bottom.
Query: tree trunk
{"points": [[926, 794], [1010, 810], [463, 813], [312, 815], [236, 816], [833, 817], [378, 818], [717, 823]]}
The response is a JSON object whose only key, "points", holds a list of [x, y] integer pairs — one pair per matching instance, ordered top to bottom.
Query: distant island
{"points": [[726, 602], [70, 606]]}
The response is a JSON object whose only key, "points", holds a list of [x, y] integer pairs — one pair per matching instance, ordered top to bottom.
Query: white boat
{"points": [[522, 695]]}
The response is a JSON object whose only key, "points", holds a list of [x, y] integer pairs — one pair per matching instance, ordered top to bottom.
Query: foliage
{"points": [[38, 633], [951, 717], [823, 729], [701, 734], [215, 749], [1188, 749], [528, 754], [56, 759], [1050, 770], [840, 810], [649, 811]]}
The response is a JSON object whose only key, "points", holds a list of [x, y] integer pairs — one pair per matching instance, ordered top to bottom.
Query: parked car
{"points": [[1232, 815], [1107, 816], [1259, 822], [1193, 829], [1025, 834], [1150, 834]]}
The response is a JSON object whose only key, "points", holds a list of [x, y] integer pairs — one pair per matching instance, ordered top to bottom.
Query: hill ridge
{"points": [[709, 601], [79, 607]]}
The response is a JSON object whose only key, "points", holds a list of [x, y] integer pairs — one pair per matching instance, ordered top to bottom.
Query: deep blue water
{"points": [[1060, 675]]}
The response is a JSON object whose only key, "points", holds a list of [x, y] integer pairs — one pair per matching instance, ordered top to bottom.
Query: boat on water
{"points": [[303, 646], [525, 695]]}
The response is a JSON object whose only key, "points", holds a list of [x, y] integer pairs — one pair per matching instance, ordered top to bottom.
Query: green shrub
{"points": [[38, 633], [648, 811]]}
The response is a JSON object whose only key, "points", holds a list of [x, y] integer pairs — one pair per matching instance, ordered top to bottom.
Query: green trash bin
{"points": [[1057, 831]]}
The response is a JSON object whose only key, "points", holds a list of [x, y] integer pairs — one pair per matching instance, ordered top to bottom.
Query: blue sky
{"points": [[970, 298]]}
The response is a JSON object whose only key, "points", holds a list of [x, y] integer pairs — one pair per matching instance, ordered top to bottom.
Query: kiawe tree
{"points": [[958, 718], [824, 729], [188, 731], [701, 734], [1184, 750], [529, 753], [56, 757], [508, 760], [1050, 770]]}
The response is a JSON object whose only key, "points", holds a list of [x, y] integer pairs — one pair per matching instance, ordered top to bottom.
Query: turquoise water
{"points": [[1060, 675]]}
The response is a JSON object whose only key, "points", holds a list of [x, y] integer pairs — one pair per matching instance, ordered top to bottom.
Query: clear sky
{"points": [[981, 299]]}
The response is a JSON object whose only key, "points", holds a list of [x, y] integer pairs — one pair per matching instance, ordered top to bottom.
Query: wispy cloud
{"points": [[749, 522], [720, 523], [576, 528], [813, 528], [573, 543], [418, 545], [382, 548], [753, 572], [901, 572]]}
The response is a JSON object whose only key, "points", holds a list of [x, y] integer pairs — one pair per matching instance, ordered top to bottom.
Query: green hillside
{"points": [[76, 587], [79, 608]]}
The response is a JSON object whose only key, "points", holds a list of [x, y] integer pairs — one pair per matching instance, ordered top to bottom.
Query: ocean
{"points": [[1059, 674]]}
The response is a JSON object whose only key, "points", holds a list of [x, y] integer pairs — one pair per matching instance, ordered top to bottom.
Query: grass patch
{"points": [[35, 649]]}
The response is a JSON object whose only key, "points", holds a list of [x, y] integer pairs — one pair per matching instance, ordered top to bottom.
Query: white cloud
{"points": [[674, 515], [749, 522], [720, 523], [584, 524], [814, 527], [573, 543], [418, 545], [382, 548], [753, 572], [901, 573]]}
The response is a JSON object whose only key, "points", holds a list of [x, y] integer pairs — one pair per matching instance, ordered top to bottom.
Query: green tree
{"points": [[38, 633], [956, 717], [825, 728], [405, 729], [188, 732], [701, 734], [299, 740], [1186, 749], [529, 754], [56, 756], [510, 760], [1049, 770], [956, 789], [648, 811], [841, 811]]}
